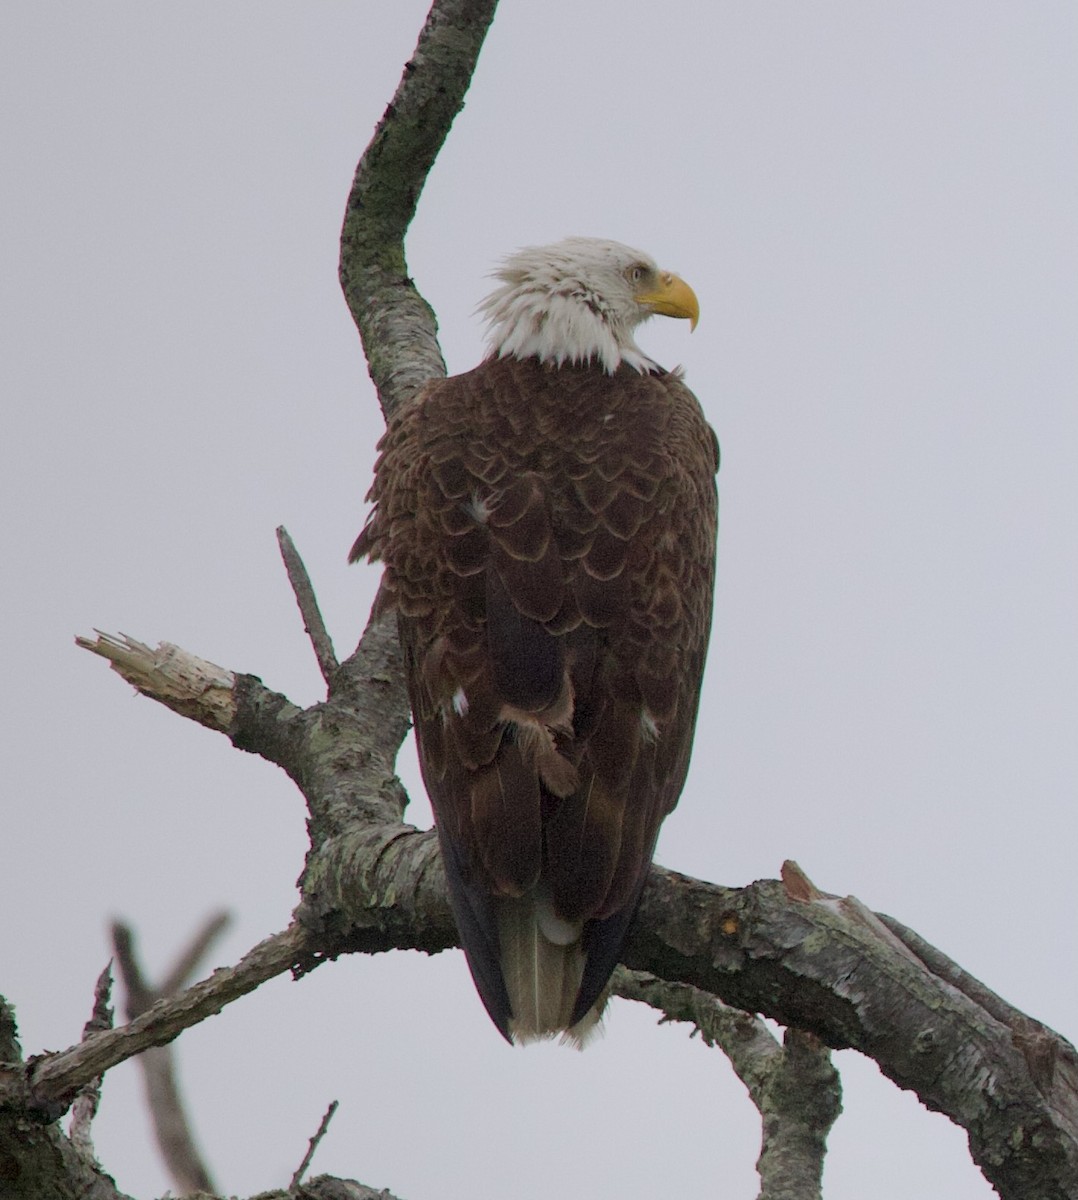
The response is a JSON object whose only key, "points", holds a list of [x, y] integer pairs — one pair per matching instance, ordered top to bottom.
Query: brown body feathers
{"points": [[548, 535]]}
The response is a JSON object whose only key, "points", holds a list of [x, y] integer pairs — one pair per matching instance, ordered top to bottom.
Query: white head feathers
{"points": [[580, 300]]}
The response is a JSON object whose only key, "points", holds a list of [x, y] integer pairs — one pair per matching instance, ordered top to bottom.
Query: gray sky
{"points": [[875, 204]]}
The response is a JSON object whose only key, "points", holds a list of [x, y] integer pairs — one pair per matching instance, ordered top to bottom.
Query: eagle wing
{"points": [[548, 536]]}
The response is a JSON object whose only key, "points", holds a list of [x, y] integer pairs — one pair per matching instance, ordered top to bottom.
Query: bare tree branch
{"points": [[396, 324], [308, 605], [188, 685], [191, 957], [807, 959], [819, 966], [1039, 1044], [753, 1050], [52, 1079], [794, 1085], [84, 1109], [171, 1124], [37, 1160], [301, 1170]]}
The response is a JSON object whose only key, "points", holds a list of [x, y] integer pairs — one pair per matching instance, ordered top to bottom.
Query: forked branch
{"points": [[811, 960], [172, 1126]]}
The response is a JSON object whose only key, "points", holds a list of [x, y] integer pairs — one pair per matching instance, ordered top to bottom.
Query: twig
{"points": [[308, 605], [84, 1109], [172, 1126], [301, 1170]]}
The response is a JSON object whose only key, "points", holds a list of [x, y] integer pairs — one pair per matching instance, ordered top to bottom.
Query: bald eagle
{"points": [[547, 523]]}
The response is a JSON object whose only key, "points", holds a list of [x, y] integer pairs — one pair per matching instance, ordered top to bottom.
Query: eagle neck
{"points": [[572, 327]]}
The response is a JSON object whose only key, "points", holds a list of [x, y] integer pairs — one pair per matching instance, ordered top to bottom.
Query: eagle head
{"points": [[579, 301]]}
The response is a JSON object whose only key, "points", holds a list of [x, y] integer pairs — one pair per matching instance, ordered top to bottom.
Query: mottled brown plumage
{"points": [[548, 536]]}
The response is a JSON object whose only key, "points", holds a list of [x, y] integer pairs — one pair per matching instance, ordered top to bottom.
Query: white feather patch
{"points": [[568, 303], [480, 510], [554, 928]]}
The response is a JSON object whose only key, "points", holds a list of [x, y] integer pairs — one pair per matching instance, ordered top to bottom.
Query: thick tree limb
{"points": [[396, 324], [819, 966], [1039, 1044]]}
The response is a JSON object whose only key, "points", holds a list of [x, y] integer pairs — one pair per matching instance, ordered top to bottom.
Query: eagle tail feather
{"points": [[472, 910], [603, 941], [542, 976]]}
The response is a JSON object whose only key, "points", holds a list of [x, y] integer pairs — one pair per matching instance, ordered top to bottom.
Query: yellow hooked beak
{"points": [[672, 298]]}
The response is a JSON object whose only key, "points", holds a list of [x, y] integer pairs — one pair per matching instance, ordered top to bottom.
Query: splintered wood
{"points": [[182, 681]]}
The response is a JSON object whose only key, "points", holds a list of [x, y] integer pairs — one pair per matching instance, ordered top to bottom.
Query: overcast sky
{"points": [[875, 203]]}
